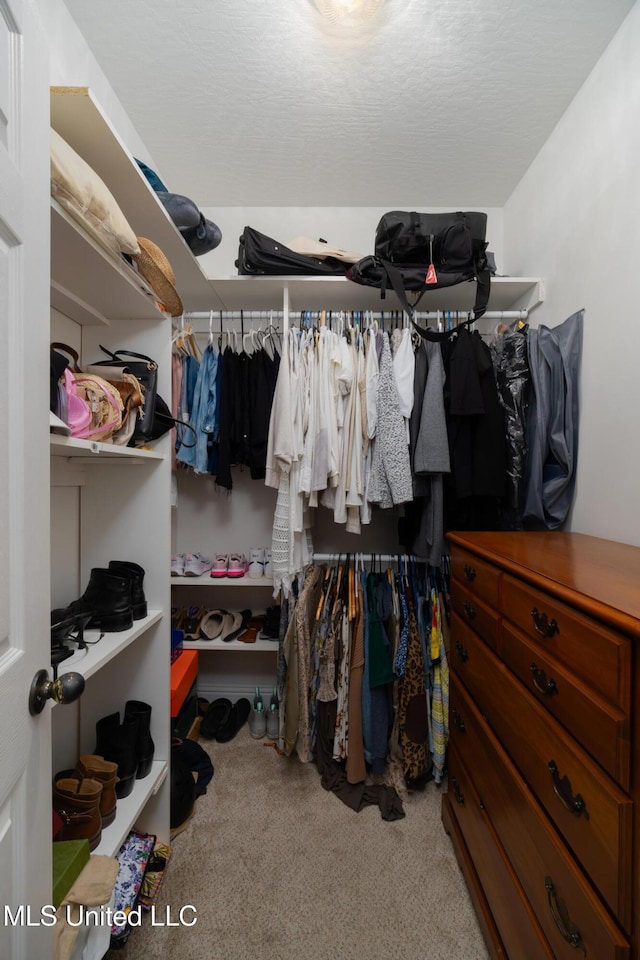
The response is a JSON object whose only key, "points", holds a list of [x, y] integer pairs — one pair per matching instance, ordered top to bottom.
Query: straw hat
{"points": [[156, 270]]}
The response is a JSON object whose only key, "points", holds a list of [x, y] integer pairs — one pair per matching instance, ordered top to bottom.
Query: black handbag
{"points": [[427, 251], [260, 255], [146, 371]]}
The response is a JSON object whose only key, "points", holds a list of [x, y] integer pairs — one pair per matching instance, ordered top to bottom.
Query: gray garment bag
{"points": [[554, 361]]}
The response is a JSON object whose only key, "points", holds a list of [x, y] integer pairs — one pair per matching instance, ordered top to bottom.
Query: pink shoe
{"points": [[238, 565], [220, 566]]}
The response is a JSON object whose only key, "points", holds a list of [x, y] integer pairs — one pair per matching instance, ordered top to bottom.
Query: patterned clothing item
{"points": [[390, 481], [304, 620], [440, 697], [414, 732], [341, 736], [356, 767]]}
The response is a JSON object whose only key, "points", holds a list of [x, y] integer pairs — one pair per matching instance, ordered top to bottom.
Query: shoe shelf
{"points": [[93, 452], [208, 581], [260, 646], [89, 661], [129, 809]]}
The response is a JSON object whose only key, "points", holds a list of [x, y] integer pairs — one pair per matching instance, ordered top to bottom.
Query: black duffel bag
{"points": [[427, 251], [261, 256]]}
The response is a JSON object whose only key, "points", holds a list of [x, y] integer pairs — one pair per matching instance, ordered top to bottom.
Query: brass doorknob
{"points": [[65, 689]]}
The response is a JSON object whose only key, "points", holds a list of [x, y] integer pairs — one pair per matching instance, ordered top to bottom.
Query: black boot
{"points": [[124, 568], [108, 599], [141, 712], [117, 742]]}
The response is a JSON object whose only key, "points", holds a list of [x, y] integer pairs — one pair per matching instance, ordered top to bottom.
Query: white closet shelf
{"points": [[78, 118], [88, 283], [338, 293], [93, 452], [207, 581], [260, 646], [89, 661], [129, 809]]}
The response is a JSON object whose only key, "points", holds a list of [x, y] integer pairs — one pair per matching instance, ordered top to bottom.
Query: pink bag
{"points": [[95, 406], [78, 410]]}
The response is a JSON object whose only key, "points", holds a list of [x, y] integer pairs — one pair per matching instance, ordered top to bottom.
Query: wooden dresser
{"points": [[544, 785]]}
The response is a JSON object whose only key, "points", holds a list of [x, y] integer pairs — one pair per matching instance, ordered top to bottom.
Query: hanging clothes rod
{"points": [[254, 315], [382, 557]]}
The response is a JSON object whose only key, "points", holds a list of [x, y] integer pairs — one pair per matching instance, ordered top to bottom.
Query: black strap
{"points": [[483, 289], [126, 353], [164, 418]]}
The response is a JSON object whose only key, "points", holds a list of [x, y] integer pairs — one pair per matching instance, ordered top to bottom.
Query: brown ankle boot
{"points": [[91, 766], [77, 803]]}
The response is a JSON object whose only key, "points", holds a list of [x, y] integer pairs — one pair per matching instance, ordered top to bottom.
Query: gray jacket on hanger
{"points": [[554, 360]]}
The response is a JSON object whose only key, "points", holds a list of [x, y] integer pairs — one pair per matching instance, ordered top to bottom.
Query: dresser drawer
{"points": [[480, 577], [477, 614], [599, 657], [601, 728], [589, 810], [565, 904], [518, 928]]}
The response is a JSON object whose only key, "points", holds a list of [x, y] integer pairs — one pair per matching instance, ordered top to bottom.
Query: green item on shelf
{"points": [[69, 859]]}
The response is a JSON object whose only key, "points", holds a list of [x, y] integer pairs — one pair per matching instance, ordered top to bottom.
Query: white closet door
{"points": [[25, 745]]}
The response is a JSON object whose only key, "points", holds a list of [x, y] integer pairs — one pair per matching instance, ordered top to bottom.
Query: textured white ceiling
{"points": [[251, 102]]}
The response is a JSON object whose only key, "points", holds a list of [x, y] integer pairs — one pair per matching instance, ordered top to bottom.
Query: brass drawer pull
{"points": [[469, 572], [469, 609], [542, 625], [462, 653], [540, 682], [458, 721], [562, 789], [457, 792], [558, 910]]}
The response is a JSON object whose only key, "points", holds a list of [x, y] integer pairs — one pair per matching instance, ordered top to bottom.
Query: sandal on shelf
{"points": [[177, 617], [192, 619], [242, 619], [211, 624], [254, 626]]}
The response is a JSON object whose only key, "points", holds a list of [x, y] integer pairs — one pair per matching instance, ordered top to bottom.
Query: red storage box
{"points": [[184, 671]]}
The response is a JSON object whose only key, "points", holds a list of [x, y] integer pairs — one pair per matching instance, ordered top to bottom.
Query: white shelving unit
{"points": [[80, 120], [88, 284], [338, 293], [91, 451], [116, 510], [208, 581], [219, 584], [100, 652], [128, 809]]}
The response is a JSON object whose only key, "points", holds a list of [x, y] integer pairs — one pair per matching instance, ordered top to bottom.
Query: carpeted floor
{"points": [[278, 868]]}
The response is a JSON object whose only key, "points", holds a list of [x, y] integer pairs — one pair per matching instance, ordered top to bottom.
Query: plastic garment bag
{"points": [[554, 360], [513, 379]]}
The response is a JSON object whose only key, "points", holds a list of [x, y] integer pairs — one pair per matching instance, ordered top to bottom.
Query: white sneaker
{"points": [[256, 563], [177, 565], [195, 565], [268, 569]]}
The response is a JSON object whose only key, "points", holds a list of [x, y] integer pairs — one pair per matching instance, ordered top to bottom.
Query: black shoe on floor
{"points": [[216, 715], [236, 719]]}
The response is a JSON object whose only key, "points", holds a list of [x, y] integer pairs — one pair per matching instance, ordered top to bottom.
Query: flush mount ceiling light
{"points": [[346, 12]]}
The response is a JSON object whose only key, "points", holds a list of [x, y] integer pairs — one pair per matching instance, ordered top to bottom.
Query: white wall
{"points": [[72, 64], [573, 219], [351, 228]]}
